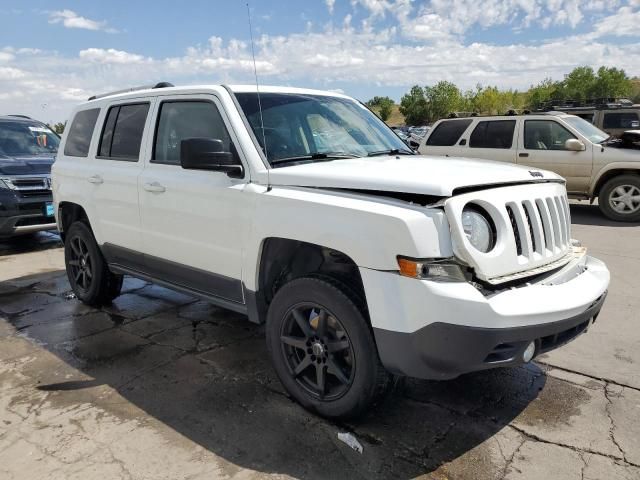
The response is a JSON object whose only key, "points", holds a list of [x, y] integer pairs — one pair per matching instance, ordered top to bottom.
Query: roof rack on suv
{"points": [[132, 89], [590, 104]]}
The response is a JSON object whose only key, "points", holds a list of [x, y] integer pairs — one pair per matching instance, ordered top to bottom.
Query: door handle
{"points": [[523, 154], [97, 179], [154, 187]]}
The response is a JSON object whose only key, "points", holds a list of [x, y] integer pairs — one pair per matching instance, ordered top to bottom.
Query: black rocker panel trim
{"points": [[174, 275]]}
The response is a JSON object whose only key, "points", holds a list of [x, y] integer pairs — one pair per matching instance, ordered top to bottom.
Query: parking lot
{"points": [[160, 385]]}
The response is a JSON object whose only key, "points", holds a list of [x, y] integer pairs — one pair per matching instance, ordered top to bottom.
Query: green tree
{"points": [[611, 82], [579, 84], [546, 90], [635, 90], [442, 99], [378, 101], [413, 106], [386, 107], [59, 127]]}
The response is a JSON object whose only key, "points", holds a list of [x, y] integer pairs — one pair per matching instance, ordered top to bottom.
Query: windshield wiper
{"points": [[392, 151], [314, 156]]}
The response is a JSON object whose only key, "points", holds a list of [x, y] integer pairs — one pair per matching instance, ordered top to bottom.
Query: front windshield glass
{"points": [[301, 125], [587, 129], [27, 139]]}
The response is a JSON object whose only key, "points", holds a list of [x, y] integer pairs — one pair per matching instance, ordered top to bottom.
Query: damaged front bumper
{"points": [[440, 330]]}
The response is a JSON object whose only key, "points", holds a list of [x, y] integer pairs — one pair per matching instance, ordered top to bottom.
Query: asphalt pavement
{"points": [[160, 385]]}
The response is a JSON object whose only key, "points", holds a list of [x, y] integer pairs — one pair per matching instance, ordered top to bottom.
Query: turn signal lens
{"points": [[439, 270]]}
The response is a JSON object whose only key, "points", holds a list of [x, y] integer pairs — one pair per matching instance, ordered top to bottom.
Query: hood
{"points": [[25, 165], [425, 175]]}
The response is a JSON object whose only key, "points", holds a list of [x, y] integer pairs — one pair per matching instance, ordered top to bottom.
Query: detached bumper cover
{"points": [[443, 350]]}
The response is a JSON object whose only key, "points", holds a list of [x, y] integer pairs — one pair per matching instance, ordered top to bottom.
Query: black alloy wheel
{"points": [[80, 263], [317, 351]]}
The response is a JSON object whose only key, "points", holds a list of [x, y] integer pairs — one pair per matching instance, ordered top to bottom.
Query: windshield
{"points": [[316, 127], [587, 129], [27, 139]]}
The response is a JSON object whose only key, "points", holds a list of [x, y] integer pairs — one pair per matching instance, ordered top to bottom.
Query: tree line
{"points": [[423, 105]]}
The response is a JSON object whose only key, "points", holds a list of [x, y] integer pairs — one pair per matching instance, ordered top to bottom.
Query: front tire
{"points": [[619, 198], [87, 271], [323, 349]]}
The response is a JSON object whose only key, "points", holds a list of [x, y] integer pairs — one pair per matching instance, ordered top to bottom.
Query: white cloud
{"points": [[330, 5], [71, 19], [625, 22], [423, 46], [111, 55], [6, 56], [8, 73]]}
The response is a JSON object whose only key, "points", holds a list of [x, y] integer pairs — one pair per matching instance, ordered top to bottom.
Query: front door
{"points": [[542, 146], [194, 222]]}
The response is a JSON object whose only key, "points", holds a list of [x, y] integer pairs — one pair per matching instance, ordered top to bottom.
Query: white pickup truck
{"points": [[301, 209]]}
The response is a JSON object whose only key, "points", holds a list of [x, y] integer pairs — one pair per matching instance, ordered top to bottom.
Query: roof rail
{"points": [[132, 89], [19, 116]]}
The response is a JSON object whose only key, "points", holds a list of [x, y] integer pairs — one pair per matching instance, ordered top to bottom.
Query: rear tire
{"points": [[619, 198], [88, 273], [323, 349]]}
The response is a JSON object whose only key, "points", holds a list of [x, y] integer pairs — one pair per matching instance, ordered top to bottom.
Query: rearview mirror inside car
{"points": [[574, 145], [209, 154]]}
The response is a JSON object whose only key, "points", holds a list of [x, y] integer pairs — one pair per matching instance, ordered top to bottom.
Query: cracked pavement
{"points": [[160, 385]]}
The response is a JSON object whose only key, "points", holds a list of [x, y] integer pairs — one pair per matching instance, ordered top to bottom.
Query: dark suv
{"points": [[27, 151]]}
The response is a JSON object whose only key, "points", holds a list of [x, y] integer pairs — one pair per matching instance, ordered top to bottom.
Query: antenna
{"points": [[255, 72]]}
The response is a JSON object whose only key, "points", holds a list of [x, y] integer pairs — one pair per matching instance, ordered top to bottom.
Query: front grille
{"points": [[29, 186], [34, 193], [540, 226], [533, 230]]}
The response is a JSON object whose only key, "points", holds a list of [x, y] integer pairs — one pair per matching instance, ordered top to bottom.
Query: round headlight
{"points": [[478, 229]]}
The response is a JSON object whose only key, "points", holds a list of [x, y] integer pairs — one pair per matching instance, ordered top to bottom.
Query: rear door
{"points": [[445, 138], [494, 140], [541, 145], [114, 177]]}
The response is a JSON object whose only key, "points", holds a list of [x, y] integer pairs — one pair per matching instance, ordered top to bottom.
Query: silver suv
{"points": [[594, 164]]}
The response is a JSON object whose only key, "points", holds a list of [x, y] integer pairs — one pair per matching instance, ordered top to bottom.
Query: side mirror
{"points": [[574, 145], [208, 154]]}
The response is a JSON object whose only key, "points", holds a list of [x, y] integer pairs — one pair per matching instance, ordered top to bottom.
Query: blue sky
{"points": [[54, 54]]}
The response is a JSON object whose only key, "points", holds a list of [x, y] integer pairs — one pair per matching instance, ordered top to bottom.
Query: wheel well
{"points": [[609, 175], [70, 213], [283, 260]]}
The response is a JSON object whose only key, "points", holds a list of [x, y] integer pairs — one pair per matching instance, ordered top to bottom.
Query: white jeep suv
{"points": [[302, 209]]}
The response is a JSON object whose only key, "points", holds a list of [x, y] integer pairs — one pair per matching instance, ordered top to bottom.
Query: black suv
{"points": [[27, 151]]}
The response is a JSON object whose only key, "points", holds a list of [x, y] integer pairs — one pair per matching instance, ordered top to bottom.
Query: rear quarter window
{"points": [[619, 120], [448, 132], [80, 133], [493, 134]]}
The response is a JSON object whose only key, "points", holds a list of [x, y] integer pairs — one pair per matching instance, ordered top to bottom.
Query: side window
{"points": [[585, 116], [619, 119], [179, 120], [122, 132], [448, 132], [80, 133], [493, 134], [545, 135]]}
